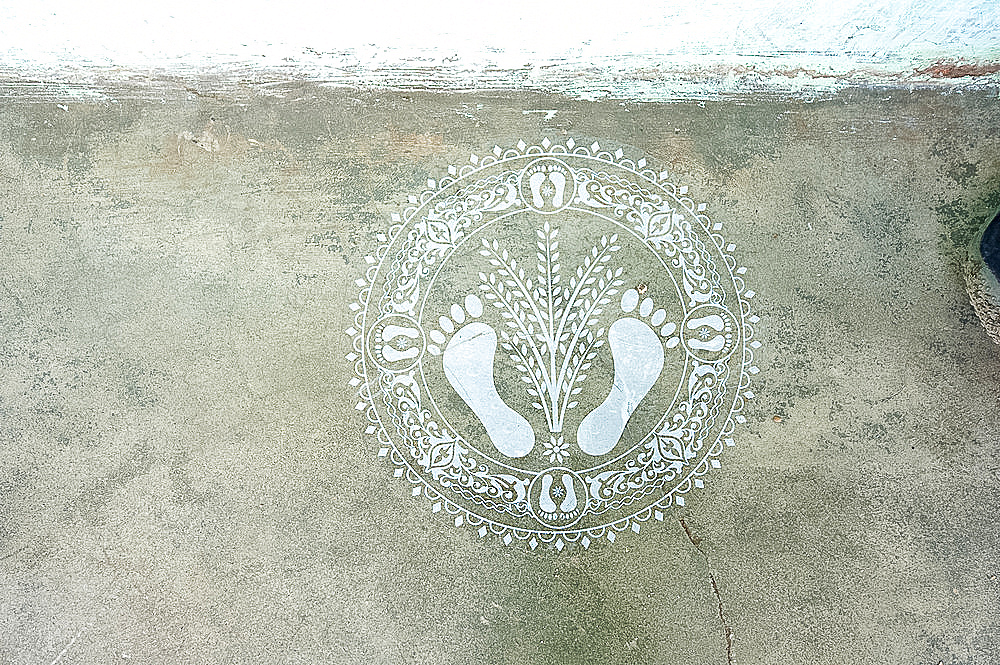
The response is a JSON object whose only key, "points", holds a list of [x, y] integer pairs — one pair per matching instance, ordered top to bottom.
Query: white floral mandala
{"points": [[553, 344]]}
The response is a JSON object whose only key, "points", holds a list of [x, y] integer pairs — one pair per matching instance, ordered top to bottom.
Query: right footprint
{"points": [[637, 351]]}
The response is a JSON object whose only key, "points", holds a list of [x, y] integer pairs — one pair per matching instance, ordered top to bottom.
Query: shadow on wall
{"points": [[983, 276]]}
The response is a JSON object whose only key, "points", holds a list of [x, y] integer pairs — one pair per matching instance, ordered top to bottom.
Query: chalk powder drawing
{"points": [[553, 344]]}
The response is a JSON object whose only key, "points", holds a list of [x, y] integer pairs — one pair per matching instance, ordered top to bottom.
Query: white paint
{"points": [[456, 43], [519, 265], [638, 361]]}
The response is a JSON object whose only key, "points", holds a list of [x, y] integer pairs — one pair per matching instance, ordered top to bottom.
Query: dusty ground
{"points": [[184, 478]]}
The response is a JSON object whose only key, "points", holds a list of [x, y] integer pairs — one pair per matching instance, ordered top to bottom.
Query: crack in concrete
{"points": [[696, 541], [67, 647]]}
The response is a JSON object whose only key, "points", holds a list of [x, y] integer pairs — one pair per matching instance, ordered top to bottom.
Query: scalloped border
{"points": [[462, 516]]}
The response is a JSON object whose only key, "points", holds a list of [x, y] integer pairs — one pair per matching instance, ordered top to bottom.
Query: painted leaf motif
{"points": [[439, 232], [442, 454]]}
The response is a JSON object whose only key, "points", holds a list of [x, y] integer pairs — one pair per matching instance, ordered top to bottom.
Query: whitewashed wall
{"points": [[652, 49]]}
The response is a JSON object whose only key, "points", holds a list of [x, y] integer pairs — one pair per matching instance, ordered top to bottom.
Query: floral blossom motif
{"points": [[556, 449]]}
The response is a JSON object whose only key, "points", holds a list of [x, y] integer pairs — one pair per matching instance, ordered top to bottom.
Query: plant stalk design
{"points": [[549, 329]]}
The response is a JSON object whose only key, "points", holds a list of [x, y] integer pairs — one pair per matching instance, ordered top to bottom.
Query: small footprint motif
{"points": [[549, 185], [540, 191], [711, 333], [398, 343], [637, 351], [468, 365], [567, 508]]}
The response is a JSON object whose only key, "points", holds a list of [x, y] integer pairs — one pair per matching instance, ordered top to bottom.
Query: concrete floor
{"points": [[184, 477]]}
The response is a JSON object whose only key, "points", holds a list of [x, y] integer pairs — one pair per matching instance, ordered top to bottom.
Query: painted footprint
{"points": [[547, 185], [540, 191], [710, 333], [395, 342], [398, 343], [637, 351], [468, 364], [566, 494], [559, 504]]}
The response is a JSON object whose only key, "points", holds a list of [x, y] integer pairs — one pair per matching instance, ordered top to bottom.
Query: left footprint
{"points": [[468, 365]]}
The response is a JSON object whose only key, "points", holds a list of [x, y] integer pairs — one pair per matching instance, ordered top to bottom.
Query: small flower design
{"points": [[556, 449]]}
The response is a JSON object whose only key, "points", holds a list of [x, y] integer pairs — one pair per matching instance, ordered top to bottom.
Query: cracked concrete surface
{"points": [[183, 476], [726, 628]]}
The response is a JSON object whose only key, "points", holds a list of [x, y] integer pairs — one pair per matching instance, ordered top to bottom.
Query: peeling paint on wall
{"points": [[647, 50]]}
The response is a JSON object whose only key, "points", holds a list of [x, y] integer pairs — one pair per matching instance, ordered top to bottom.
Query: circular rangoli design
{"points": [[553, 344]]}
